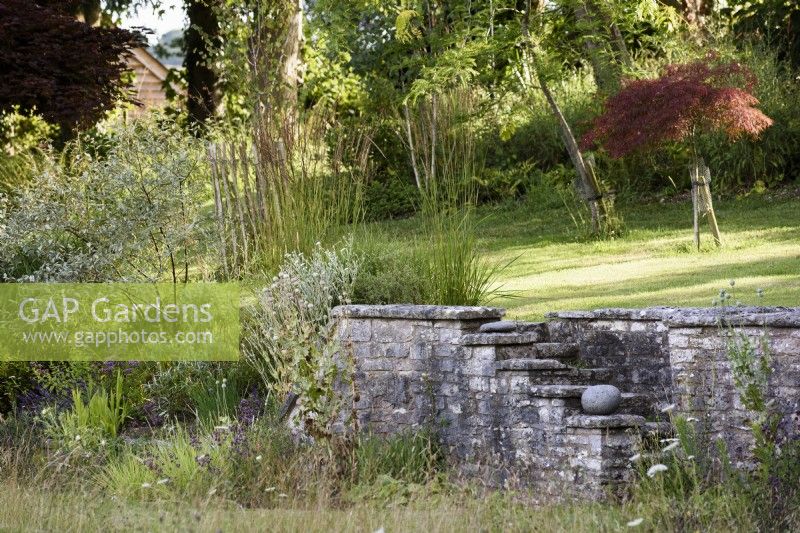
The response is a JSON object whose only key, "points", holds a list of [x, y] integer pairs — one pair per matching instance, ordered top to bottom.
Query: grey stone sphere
{"points": [[601, 399]]}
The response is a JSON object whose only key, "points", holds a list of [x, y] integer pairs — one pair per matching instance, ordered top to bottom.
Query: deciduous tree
{"points": [[64, 69], [684, 101]]}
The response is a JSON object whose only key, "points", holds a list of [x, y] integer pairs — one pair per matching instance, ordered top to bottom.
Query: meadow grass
{"points": [[553, 266], [33, 509]]}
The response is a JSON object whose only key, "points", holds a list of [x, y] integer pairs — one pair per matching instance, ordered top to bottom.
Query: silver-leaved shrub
{"points": [[132, 214], [288, 336]]}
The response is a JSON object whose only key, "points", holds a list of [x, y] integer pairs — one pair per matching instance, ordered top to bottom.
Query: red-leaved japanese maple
{"points": [[686, 99]]}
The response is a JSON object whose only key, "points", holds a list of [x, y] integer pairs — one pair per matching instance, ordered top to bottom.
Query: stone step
{"points": [[511, 326], [540, 327], [502, 339], [539, 350], [530, 365], [573, 376]]}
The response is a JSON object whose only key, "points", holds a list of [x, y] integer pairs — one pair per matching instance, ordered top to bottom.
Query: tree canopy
{"points": [[64, 69]]}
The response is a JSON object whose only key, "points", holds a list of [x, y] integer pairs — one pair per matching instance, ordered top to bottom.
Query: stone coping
{"points": [[418, 312], [650, 313], [774, 317], [788, 317], [605, 421]]}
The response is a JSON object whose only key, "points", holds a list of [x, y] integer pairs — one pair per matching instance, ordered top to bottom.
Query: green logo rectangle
{"points": [[119, 322]]}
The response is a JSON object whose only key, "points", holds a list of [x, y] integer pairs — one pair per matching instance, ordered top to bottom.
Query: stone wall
{"points": [[703, 386], [505, 397], [505, 406]]}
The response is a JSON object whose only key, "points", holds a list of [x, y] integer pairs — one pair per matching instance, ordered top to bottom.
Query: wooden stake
{"points": [[695, 208]]}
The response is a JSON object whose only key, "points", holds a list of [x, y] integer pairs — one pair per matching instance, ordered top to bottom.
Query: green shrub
{"points": [[391, 198], [389, 272], [16, 377]]}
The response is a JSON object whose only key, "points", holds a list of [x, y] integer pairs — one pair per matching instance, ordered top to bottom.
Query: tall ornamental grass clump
{"points": [[451, 160], [299, 181]]}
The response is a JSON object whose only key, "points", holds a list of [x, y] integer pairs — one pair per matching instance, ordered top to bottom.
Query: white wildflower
{"points": [[692, 419], [77, 437], [670, 447], [258, 457], [690, 457], [635, 458], [655, 469], [162, 481], [146, 485], [269, 489], [637, 522]]}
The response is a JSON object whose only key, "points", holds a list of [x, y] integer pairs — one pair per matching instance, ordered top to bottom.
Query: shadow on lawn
{"points": [[695, 286]]}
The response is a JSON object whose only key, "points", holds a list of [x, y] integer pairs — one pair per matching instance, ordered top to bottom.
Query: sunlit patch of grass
{"points": [[654, 263]]}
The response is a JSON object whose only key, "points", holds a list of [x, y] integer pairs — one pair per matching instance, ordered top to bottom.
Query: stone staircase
{"points": [[525, 352], [537, 385], [504, 396]]}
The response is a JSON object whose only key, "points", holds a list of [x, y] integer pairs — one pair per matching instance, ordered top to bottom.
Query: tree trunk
{"points": [[200, 40], [622, 49], [292, 53], [410, 140], [590, 191]]}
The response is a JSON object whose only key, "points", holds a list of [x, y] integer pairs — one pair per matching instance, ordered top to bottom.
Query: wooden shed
{"points": [[150, 74]]}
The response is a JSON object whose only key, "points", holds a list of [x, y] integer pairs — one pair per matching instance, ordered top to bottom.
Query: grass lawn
{"points": [[653, 263]]}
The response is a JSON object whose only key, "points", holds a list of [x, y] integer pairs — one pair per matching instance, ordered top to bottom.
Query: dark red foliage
{"points": [[68, 71], [686, 98]]}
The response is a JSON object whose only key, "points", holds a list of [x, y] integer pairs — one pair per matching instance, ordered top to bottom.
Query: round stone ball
{"points": [[601, 399]]}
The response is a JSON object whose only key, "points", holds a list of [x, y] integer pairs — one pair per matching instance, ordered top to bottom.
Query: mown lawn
{"points": [[553, 267]]}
